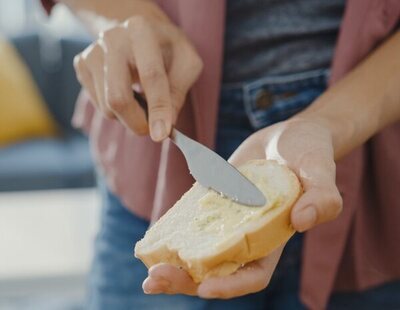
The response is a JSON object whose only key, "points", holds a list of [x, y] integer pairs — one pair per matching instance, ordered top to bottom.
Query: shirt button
{"points": [[263, 99]]}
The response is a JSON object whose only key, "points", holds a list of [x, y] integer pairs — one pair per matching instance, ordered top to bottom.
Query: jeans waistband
{"points": [[277, 82], [272, 98]]}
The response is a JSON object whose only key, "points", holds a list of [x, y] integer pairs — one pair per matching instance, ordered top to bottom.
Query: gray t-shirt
{"points": [[269, 37]]}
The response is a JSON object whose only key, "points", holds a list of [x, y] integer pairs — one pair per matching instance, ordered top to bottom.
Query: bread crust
{"points": [[264, 236]]}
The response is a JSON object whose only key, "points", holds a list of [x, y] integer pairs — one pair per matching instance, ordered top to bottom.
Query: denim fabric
{"points": [[116, 276]]}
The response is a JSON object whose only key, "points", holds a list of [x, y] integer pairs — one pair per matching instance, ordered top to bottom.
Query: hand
{"points": [[146, 51], [306, 148], [253, 277]]}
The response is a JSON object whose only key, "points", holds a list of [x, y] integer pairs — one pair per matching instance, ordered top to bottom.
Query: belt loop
{"points": [[248, 104]]}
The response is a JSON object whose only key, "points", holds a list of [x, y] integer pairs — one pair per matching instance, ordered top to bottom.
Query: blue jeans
{"points": [[116, 277]]}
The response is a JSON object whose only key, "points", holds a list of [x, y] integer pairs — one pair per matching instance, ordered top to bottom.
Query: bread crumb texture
{"points": [[209, 235]]}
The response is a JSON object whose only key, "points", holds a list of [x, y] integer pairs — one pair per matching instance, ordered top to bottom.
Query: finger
{"points": [[94, 58], [185, 69], [84, 77], [153, 78], [118, 83], [321, 201], [317, 205], [253, 277], [168, 279], [155, 286]]}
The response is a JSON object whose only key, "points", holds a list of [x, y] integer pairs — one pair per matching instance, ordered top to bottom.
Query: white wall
{"points": [[18, 16], [47, 233]]}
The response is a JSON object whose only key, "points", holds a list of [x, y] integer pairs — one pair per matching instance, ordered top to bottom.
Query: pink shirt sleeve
{"points": [[48, 5]]}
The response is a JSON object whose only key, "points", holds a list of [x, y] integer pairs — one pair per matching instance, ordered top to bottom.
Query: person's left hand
{"points": [[305, 147], [251, 278]]}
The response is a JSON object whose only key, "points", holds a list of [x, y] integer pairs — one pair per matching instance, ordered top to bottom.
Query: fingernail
{"points": [[158, 130], [306, 218], [157, 287], [153, 291], [208, 294]]}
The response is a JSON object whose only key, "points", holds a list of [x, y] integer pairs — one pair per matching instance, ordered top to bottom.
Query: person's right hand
{"points": [[146, 50]]}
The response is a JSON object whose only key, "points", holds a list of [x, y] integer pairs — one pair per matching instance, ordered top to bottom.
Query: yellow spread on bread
{"points": [[220, 215]]}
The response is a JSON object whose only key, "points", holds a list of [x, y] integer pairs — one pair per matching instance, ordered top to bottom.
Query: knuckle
{"points": [[137, 23], [111, 32], [111, 36], [92, 53], [78, 62], [194, 62], [197, 64], [80, 69], [152, 73], [161, 107], [335, 204], [338, 205]]}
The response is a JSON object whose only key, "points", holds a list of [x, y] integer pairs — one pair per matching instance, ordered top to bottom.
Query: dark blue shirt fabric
{"points": [[271, 37]]}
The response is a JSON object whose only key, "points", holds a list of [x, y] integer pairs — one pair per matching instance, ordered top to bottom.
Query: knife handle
{"points": [[142, 102]]}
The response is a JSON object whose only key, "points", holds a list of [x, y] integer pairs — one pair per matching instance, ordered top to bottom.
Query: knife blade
{"points": [[211, 170]]}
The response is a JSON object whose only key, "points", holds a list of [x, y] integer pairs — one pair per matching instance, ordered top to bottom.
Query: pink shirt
{"points": [[359, 249]]}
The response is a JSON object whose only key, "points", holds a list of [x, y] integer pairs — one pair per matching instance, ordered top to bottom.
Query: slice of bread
{"points": [[209, 235]]}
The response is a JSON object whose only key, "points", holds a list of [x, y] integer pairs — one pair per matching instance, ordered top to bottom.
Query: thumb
{"points": [[250, 149], [317, 205]]}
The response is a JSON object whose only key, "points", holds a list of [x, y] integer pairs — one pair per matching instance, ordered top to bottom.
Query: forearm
{"points": [[98, 15], [362, 103]]}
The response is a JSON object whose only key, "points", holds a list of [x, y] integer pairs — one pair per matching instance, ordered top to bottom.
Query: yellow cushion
{"points": [[23, 112]]}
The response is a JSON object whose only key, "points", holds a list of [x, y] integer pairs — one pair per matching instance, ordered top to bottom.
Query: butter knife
{"points": [[211, 170]]}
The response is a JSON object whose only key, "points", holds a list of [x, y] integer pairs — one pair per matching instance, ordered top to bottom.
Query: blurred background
{"points": [[49, 207]]}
